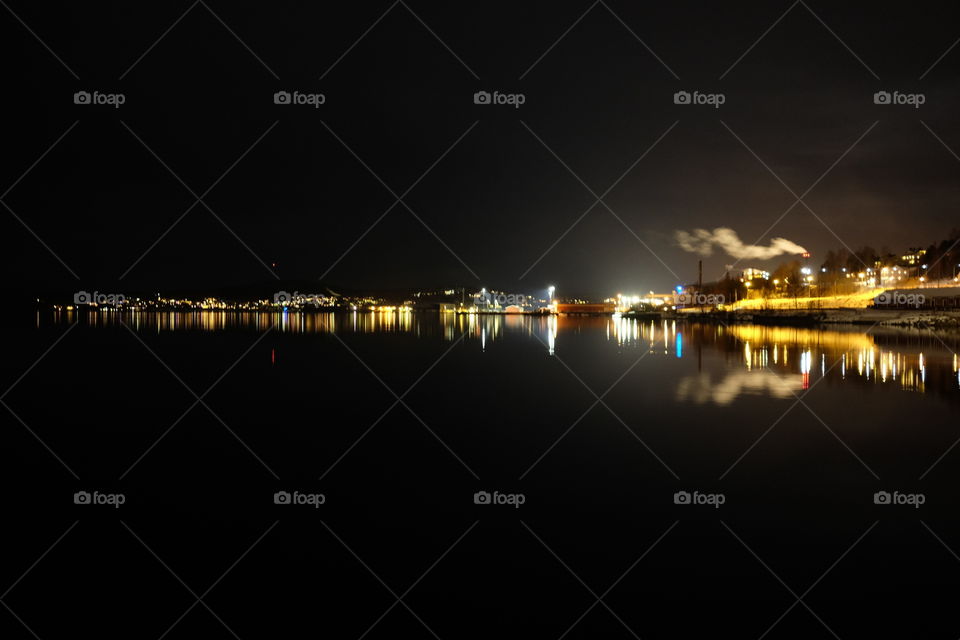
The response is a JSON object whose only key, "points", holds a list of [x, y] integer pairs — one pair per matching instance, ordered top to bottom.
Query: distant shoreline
{"points": [[917, 318]]}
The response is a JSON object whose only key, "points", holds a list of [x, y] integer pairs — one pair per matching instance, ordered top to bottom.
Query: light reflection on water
{"points": [[777, 362]]}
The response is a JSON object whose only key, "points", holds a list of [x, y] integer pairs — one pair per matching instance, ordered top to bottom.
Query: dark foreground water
{"points": [[655, 480]]}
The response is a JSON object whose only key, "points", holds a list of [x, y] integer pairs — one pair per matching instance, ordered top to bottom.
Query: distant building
{"points": [[913, 256], [752, 273], [658, 299]]}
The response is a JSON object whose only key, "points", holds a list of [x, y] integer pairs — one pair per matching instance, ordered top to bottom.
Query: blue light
{"points": [[679, 288], [679, 345]]}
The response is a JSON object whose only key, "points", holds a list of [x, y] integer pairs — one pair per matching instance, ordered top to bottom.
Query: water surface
{"points": [[399, 418]]}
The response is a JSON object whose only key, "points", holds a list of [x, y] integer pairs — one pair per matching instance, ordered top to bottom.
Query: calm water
{"points": [[791, 359], [597, 422]]}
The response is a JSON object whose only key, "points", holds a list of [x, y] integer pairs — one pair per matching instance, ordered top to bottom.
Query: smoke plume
{"points": [[702, 241]]}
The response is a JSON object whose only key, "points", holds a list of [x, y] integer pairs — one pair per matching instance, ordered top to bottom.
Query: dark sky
{"points": [[492, 206]]}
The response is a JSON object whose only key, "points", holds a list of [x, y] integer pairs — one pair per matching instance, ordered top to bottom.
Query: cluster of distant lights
{"points": [[887, 274], [626, 302], [330, 303], [530, 303], [138, 304], [216, 304], [383, 308]]}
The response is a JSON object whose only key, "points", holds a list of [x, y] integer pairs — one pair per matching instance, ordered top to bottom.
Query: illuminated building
{"points": [[752, 273]]}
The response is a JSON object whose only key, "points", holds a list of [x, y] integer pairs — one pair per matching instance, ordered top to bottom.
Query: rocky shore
{"points": [[919, 318]]}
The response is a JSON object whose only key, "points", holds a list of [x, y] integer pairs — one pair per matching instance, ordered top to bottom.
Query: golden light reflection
{"points": [[908, 360]]}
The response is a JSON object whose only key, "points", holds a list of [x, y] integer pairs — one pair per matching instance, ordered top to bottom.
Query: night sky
{"points": [[493, 186]]}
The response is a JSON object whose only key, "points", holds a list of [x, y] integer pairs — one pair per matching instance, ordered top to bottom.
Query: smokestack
{"points": [[700, 281]]}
